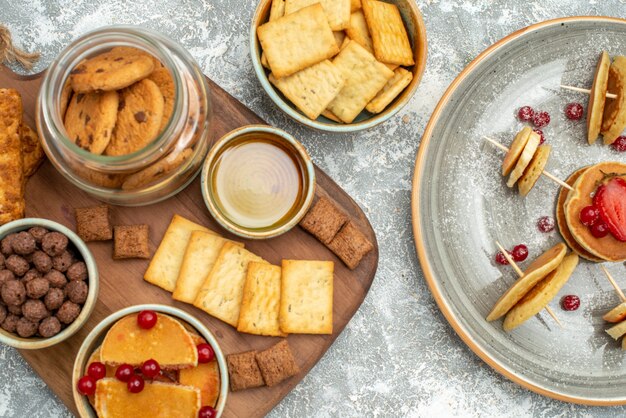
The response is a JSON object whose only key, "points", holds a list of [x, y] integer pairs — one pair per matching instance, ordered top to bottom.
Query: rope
{"points": [[9, 54]]}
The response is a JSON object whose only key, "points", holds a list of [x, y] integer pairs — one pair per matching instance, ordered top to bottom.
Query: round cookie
{"points": [[112, 70], [163, 79], [66, 93], [139, 117], [90, 119], [32, 151], [156, 170], [110, 181], [562, 222]]}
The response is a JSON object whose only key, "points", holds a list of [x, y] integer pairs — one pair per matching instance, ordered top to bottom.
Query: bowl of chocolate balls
{"points": [[48, 283]]}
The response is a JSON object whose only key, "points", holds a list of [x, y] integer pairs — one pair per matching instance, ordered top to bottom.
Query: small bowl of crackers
{"points": [[338, 66]]}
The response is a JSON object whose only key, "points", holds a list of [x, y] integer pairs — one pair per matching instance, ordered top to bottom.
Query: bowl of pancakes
{"points": [[339, 66], [186, 382]]}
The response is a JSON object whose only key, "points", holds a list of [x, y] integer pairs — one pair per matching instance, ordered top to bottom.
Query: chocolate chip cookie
{"points": [[112, 70], [163, 79], [139, 117], [90, 119], [156, 170]]}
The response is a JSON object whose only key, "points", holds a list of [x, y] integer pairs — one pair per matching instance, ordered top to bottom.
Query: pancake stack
{"points": [[587, 183]]}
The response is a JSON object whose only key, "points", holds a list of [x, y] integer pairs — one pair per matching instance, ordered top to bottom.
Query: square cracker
{"points": [[277, 10], [337, 11], [358, 31], [296, 41], [391, 42], [365, 77], [396, 84], [313, 88], [330, 115], [324, 220], [93, 223], [130, 241], [350, 245], [168, 259], [198, 261], [221, 293], [306, 300], [260, 304], [277, 363], [244, 371]]}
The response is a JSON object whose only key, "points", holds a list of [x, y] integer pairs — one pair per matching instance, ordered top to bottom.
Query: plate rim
{"points": [[421, 250]]}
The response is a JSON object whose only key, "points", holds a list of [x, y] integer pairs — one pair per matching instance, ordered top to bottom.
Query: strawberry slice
{"points": [[610, 198]]}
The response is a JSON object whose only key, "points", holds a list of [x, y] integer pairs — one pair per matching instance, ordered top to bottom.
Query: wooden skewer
{"points": [[581, 90], [545, 173], [520, 273], [614, 283]]}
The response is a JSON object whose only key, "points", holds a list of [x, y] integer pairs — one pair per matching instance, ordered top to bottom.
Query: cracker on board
{"points": [[337, 11], [358, 31], [389, 37], [296, 41], [365, 77], [396, 84], [313, 88], [200, 256], [165, 265], [221, 293], [306, 300], [260, 304]]}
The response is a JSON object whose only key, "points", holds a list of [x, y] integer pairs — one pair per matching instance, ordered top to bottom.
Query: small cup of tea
{"points": [[258, 181]]}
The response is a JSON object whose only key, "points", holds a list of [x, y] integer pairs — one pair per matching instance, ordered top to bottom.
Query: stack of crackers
{"points": [[336, 57], [20, 156], [238, 287]]}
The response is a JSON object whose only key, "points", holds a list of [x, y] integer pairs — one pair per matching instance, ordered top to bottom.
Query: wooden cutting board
{"points": [[49, 195]]}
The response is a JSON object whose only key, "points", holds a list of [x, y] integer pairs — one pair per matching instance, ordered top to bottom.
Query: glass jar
{"points": [[161, 168]]}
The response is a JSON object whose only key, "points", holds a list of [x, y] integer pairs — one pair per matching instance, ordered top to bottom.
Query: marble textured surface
{"points": [[398, 356]]}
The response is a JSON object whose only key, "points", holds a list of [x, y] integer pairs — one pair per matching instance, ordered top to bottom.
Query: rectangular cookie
{"points": [[337, 11], [389, 37], [298, 40], [365, 77], [396, 84], [313, 88], [12, 203], [324, 220], [93, 223], [130, 241], [350, 245], [198, 261], [165, 265], [222, 291], [306, 300], [260, 304], [277, 363], [244, 371]]}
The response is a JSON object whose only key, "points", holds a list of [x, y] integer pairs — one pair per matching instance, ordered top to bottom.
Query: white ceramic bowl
{"points": [[95, 337], [32, 343]]}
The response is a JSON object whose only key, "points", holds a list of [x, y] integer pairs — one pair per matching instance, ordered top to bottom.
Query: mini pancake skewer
{"points": [[606, 117], [543, 172], [520, 273], [617, 314]]}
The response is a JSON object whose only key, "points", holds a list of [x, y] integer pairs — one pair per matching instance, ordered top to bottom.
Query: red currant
{"points": [[574, 111], [525, 113], [541, 119], [542, 137], [620, 144], [589, 215], [545, 224], [600, 229], [520, 252], [501, 259], [570, 303], [146, 319], [205, 353], [150, 368], [97, 370], [124, 372], [135, 384], [86, 385], [207, 412]]}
